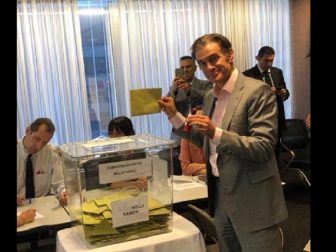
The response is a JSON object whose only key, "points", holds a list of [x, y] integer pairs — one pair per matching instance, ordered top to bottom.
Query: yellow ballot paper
{"points": [[144, 101]]}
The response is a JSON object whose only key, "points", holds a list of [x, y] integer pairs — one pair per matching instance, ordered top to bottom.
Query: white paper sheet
{"points": [[112, 141], [185, 182]]}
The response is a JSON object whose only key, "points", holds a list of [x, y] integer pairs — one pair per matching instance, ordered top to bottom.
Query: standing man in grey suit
{"points": [[274, 78], [187, 91], [238, 133]]}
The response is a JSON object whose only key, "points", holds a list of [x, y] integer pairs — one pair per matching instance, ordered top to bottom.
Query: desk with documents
{"points": [[54, 216]]}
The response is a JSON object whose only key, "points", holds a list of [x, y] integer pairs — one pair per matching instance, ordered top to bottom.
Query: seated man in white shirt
{"points": [[46, 164]]}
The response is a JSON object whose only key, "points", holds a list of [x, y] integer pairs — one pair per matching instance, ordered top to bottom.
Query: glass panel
{"points": [[92, 22]]}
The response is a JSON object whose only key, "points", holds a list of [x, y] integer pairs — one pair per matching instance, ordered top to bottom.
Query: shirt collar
{"points": [[262, 71], [192, 82], [229, 85], [23, 150]]}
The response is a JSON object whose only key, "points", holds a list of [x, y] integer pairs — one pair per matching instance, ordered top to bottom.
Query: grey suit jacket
{"points": [[182, 101], [247, 166]]}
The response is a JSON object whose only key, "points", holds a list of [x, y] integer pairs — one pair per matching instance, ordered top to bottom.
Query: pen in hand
{"points": [[20, 200], [27, 201], [60, 203]]}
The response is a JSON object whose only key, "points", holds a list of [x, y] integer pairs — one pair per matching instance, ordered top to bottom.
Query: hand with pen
{"points": [[63, 198], [20, 200], [25, 216]]}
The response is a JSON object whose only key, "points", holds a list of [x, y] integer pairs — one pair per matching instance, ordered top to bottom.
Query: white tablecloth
{"points": [[185, 236]]}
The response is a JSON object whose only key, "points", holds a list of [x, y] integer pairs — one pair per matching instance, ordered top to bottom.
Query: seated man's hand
{"points": [[63, 198], [20, 199], [28, 215], [25, 216]]}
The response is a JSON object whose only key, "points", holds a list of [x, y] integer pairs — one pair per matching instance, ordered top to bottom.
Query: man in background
{"points": [[273, 76], [187, 91], [39, 168]]}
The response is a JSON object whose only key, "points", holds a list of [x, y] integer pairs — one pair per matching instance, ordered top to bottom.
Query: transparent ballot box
{"points": [[118, 188]]}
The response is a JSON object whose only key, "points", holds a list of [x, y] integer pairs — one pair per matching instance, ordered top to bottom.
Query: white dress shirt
{"points": [[217, 118], [47, 167]]}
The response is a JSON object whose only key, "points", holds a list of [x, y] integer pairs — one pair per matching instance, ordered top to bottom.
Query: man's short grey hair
{"points": [[222, 41]]}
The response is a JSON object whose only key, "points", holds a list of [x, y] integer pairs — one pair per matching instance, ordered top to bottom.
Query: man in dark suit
{"points": [[272, 76], [187, 91], [238, 134]]}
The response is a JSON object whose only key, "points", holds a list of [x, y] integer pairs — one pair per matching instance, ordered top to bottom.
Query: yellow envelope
{"points": [[144, 101]]}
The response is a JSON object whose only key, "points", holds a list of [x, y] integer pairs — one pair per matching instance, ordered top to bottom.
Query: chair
{"points": [[295, 138], [177, 169], [207, 227]]}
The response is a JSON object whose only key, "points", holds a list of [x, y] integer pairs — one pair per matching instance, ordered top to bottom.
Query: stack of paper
{"points": [[184, 182]]}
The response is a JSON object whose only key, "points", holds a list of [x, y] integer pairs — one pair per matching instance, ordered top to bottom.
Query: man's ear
{"points": [[231, 55], [28, 130]]}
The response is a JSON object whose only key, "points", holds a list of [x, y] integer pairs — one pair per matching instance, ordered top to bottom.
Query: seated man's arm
{"points": [[57, 178]]}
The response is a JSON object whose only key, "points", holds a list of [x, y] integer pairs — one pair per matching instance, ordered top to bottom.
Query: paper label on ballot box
{"points": [[124, 170], [129, 211]]}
